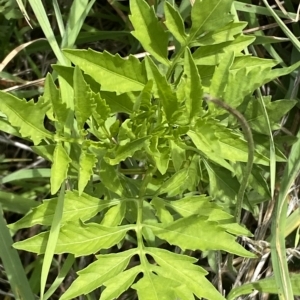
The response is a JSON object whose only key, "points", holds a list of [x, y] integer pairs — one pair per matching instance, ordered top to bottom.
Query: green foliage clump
{"points": [[170, 172]]}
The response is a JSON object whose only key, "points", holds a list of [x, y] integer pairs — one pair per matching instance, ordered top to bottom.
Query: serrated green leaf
{"points": [[209, 15], [175, 23], [148, 31], [224, 34], [211, 54], [252, 62], [109, 70], [220, 77], [244, 81], [161, 87], [193, 88], [51, 95], [144, 98], [83, 101], [119, 103], [275, 109], [26, 116], [6, 127], [126, 134], [223, 142], [203, 144], [262, 145], [234, 148], [45, 151], [121, 152], [159, 153], [177, 154], [87, 162], [59, 168], [193, 173], [110, 177], [256, 180], [175, 185], [222, 186], [200, 205], [76, 207], [161, 211], [115, 215], [195, 232], [77, 238], [106, 267], [182, 269], [124, 280], [267, 285], [153, 287], [183, 292]]}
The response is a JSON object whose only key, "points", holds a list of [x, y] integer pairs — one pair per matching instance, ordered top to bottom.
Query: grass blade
{"points": [[255, 9], [43, 20], [284, 28], [53, 236], [278, 252], [12, 264], [61, 276]]}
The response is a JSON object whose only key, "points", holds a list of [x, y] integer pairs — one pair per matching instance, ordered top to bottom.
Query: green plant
{"points": [[146, 179]]}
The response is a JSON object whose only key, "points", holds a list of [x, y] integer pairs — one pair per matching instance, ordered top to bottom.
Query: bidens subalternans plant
{"points": [[170, 172]]}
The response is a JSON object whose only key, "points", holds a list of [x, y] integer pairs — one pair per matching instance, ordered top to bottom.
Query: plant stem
{"points": [[139, 220]]}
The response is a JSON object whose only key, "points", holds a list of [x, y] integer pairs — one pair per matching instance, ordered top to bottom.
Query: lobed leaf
{"points": [[209, 15], [175, 23], [148, 31], [221, 35], [212, 54], [112, 72], [220, 77], [244, 81], [162, 88], [192, 89], [52, 95], [84, 103], [116, 103], [119, 103], [275, 109], [102, 111], [27, 116], [223, 142], [203, 144], [121, 152], [160, 153], [178, 154], [87, 162], [59, 168], [111, 178], [176, 184], [222, 186], [197, 205], [76, 207], [161, 211], [115, 215], [195, 232], [77, 238], [106, 267], [181, 269], [124, 280], [153, 287]]}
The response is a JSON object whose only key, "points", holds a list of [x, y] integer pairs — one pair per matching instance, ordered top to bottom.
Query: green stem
{"points": [[139, 221]]}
